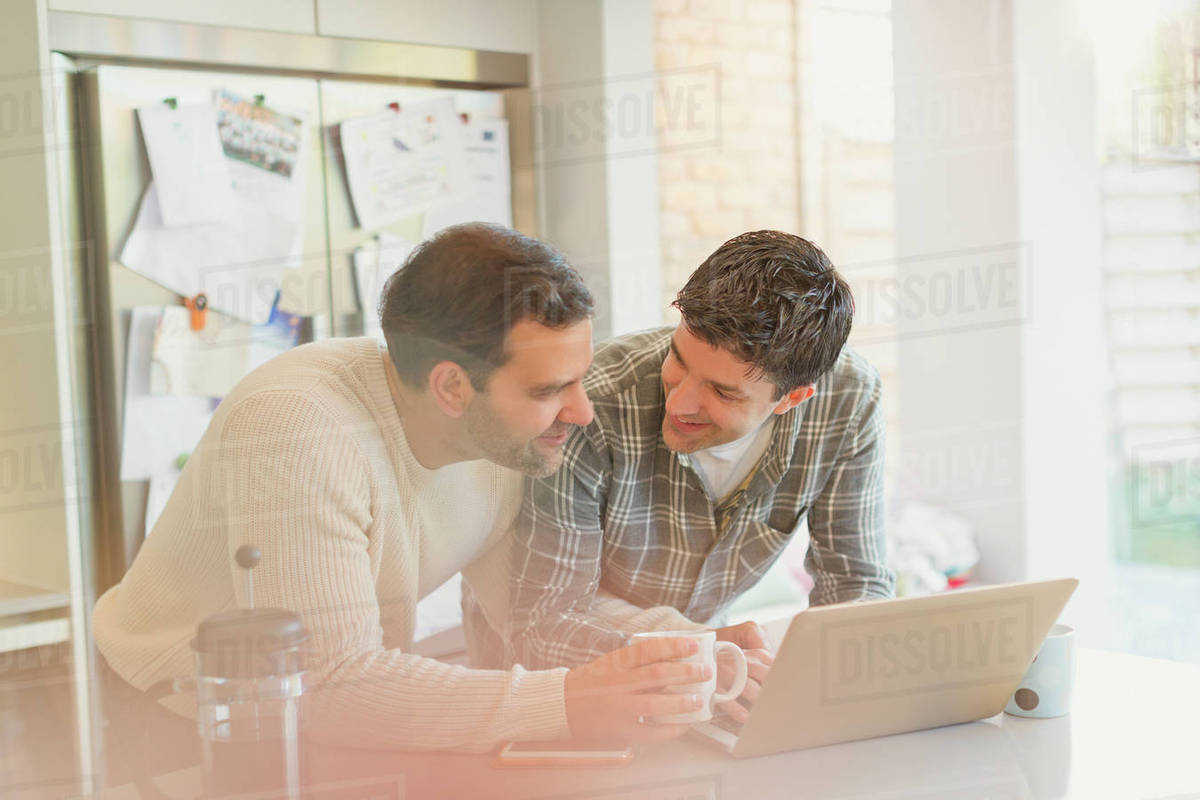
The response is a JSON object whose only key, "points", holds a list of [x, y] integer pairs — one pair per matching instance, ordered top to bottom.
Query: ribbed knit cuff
{"points": [[540, 696]]}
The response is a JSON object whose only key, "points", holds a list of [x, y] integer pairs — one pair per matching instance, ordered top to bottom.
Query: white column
{"points": [[596, 151], [634, 253], [960, 273], [1066, 394], [1004, 405]]}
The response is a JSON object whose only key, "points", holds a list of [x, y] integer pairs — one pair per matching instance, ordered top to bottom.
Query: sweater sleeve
{"points": [[292, 481]]}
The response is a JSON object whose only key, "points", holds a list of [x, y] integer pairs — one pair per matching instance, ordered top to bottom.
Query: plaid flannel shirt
{"points": [[626, 514]]}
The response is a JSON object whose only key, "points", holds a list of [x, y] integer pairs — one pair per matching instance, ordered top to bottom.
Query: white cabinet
{"points": [[289, 16], [509, 26]]}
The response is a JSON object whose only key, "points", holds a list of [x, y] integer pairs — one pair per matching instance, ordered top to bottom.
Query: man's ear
{"points": [[450, 387], [793, 398]]}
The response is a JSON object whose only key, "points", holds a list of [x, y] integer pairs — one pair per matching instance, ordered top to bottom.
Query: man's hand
{"points": [[760, 655], [608, 697]]}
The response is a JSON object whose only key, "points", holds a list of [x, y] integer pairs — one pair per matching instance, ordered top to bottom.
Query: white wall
{"points": [[599, 177], [574, 209], [956, 221], [635, 253], [1064, 351], [1005, 420], [39, 528], [33, 542]]}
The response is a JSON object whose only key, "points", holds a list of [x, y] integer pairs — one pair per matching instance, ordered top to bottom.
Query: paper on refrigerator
{"points": [[266, 152], [186, 159], [401, 163], [486, 195], [237, 261], [374, 262], [210, 362], [207, 363], [156, 429], [161, 486]]}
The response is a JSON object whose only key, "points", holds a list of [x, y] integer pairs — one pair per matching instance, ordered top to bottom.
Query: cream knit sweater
{"points": [[307, 459]]}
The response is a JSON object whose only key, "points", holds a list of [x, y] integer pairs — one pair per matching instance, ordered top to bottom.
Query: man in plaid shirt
{"points": [[711, 443]]}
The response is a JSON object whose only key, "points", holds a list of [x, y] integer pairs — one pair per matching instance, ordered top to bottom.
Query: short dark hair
{"points": [[460, 292], [775, 301]]}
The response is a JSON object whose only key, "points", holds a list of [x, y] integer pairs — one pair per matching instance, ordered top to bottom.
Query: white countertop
{"points": [[1131, 735]]}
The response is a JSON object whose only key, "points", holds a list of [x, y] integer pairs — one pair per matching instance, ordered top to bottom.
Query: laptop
{"points": [[859, 670]]}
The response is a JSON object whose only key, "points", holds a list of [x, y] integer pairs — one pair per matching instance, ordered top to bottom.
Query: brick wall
{"points": [[777, 162], [748, 180]]}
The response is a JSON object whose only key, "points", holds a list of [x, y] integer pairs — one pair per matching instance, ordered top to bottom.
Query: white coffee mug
{"points": [[706, 653], [1045, 691]]}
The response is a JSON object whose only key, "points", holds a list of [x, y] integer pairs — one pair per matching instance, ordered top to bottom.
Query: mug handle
{"points": [[739, 680]]}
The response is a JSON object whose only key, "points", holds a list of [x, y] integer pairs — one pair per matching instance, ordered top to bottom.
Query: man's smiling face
{"points": [[713, 397], [532, 402]]}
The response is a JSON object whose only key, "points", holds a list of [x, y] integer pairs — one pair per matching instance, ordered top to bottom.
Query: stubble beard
{"points": [[490, 437]]}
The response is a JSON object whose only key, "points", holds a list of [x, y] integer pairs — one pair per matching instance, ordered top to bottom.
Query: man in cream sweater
{"points": [[367, 476]]}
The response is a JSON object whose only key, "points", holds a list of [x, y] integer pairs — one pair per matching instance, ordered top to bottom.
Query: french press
{"points": [[249, 683]]}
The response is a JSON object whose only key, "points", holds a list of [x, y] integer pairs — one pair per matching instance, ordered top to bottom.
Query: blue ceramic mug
{"points": [[1045, 691]]}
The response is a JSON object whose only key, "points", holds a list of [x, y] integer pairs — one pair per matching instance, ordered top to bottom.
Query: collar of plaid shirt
{"points": [[764, 474]]}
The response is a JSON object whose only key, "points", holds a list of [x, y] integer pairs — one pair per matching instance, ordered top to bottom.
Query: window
{"points": [[1148, 82]]}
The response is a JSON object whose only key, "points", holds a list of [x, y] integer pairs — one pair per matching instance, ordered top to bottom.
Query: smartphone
{"points": [[564, 754]]}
